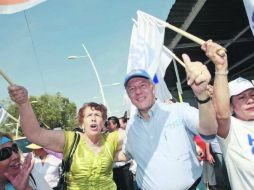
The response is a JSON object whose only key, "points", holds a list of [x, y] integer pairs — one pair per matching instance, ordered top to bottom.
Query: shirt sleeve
{"points": [[190, 117], [69, 137]]}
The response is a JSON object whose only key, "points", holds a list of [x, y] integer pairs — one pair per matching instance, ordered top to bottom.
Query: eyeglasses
{"points": [[6, 152]]}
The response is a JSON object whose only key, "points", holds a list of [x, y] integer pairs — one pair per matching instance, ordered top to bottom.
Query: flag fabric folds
{"points": [[14, 6], [249, 7], [146, 44], [147, 52], [162, 91], [3, 115]]}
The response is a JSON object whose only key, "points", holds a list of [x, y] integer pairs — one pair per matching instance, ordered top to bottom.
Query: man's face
{"points": [[141, 93], [243, 105]]}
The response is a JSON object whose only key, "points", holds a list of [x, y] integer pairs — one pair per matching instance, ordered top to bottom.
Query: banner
{"points": [[14, 6], [249, 7]]}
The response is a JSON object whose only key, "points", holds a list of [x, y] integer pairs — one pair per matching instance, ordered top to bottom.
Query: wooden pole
{"points": [[6, 77]]}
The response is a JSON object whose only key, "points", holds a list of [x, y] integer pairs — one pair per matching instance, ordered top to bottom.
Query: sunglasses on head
{"points": [[6, 152]]}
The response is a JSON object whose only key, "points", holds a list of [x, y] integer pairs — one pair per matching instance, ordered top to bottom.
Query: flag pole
{"points": [[221, 52], [174, 56], [6, 77], [178, 83]]}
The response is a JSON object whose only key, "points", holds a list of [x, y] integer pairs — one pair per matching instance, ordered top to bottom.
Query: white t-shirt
{"points": [[238, 152], [50, 169], [41, 184]]}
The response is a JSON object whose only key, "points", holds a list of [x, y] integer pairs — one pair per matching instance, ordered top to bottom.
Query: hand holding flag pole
{"points": [[221, 52], [6, 77]]}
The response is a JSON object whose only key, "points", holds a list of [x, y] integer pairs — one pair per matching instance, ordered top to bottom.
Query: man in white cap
{"points": [[236, 133], [160, 136]]}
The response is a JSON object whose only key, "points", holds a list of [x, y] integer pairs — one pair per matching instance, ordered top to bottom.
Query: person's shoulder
{"points": [[173, 106], [236, 122], [110, 135], [54, 158]]}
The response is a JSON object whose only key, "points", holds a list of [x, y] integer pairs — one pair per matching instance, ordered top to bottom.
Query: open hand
{"points": [[21, 180]]}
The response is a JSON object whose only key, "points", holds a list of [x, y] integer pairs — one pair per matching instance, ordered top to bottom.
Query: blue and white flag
{"points": [[249, 7], [147, 52], [162, 91]]}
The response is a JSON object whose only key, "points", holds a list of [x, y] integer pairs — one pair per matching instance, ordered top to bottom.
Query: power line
{"points": [[35, 52]]}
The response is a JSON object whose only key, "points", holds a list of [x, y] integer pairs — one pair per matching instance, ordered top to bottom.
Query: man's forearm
{"points": [[207, 119]]}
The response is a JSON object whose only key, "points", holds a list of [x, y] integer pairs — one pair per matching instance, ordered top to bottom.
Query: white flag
{"points": [[14, 6], [249, 7], [146, 44], [147, 52], [162, 91], [3, 115]]}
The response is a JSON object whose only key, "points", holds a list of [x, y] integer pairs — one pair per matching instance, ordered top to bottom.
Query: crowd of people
{"points": [[155, 149]]}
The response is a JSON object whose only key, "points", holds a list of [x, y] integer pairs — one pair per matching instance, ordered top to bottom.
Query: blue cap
{"points": [[136, 73]]}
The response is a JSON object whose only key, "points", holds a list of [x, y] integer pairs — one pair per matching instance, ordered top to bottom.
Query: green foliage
{"points": [[52, 111]]}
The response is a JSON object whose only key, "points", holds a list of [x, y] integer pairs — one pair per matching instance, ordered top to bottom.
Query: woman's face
{"points": [[243, 105], [92, 121], [9, 165]]}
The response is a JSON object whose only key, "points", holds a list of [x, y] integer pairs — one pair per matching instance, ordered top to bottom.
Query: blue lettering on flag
{"points": [[155, 79], [250, 139]]}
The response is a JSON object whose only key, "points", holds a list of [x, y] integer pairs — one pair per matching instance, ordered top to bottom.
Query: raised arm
{"points": [[198, 78], [221, 98], [53, 140]]}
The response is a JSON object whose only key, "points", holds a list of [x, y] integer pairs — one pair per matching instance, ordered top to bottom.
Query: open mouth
{"points": [[94, 127]]}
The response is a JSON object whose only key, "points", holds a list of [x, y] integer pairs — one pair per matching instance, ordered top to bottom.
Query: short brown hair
{"points": [[98, 107]]}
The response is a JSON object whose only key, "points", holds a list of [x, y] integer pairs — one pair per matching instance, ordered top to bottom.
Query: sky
{"points": [[34, 55]]}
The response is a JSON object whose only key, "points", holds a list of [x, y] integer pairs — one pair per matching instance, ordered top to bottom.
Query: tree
{"points": [[52, 111]]}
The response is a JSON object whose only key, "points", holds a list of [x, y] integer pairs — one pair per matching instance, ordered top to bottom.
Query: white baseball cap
{"points": [[239, 85]]}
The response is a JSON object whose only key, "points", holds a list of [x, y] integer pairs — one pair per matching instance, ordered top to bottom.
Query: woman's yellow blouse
{"points": [[90, 171]]}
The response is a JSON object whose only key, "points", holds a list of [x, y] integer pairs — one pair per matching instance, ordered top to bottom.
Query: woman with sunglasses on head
{"points": [[15, 174]]}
